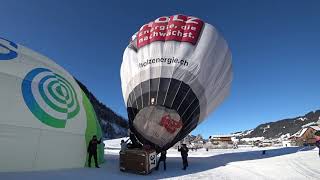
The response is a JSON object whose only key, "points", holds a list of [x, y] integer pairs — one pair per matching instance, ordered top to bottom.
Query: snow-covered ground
{"points": [[244, 163]]}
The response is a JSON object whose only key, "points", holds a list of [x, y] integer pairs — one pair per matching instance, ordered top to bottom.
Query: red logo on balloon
{"points": [[174, 28], [170, 124]]}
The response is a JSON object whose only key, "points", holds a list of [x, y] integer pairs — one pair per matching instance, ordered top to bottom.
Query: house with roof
{"points": [[305, 136], [221, 141]]}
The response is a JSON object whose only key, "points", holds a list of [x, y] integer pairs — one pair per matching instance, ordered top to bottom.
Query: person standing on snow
{"points": [[124, 145], [92, 150], [184, 154], [163, 158]]}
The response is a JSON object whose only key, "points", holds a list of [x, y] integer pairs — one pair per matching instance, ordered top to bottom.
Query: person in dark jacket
{"points": [[92, 150], [184, 154], [163, 158]]}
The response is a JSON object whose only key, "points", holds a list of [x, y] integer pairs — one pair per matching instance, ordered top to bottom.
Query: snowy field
{"points": [[244, 163]]}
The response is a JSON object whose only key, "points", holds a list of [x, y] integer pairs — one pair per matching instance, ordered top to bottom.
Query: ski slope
{"points": [[244, 163]]}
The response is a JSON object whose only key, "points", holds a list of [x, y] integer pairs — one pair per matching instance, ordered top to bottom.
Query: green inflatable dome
{"points": [[46, 120]]}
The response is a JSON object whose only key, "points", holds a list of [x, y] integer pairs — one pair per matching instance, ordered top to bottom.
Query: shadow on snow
{"points": [[199, 164]]}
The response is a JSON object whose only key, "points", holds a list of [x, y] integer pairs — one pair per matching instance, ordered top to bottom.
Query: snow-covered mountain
{"points": [[112, 124], [276, 129], [242, 133]]}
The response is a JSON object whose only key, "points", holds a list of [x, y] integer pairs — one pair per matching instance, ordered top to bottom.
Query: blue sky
{"points": [[275, 47]]}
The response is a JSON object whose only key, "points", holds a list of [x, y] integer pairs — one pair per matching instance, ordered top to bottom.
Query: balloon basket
{"points": [[137, 161]]}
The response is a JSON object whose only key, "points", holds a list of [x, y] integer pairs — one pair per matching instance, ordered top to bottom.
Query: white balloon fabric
{"points": [[175, 71], [46, 120]]}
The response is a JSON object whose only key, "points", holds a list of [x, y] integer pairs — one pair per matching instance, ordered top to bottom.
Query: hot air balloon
{"points": [[175, 71], [46, 119]]}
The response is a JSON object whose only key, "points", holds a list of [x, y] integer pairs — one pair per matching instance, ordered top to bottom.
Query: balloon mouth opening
{"points": [[158, 124]]}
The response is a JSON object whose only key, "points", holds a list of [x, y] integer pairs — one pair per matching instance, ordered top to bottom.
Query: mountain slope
{"points": [[113, 125], [284, 126]]}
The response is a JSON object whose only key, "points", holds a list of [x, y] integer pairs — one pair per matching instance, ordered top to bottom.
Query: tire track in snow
{"points": [[301, 168], [258, 175]]}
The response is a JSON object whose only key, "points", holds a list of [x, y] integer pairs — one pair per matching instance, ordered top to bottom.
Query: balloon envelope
{"points": [[175, 71], [46, 120]]}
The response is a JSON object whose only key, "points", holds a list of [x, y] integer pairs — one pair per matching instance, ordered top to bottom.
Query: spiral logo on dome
{"points": [[50, 97]]}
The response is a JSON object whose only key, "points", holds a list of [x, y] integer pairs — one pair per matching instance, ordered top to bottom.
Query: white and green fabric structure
{"points": [[46, 120]]}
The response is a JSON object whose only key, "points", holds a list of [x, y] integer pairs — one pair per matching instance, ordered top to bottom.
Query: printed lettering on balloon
{"points": [[174, 28]]}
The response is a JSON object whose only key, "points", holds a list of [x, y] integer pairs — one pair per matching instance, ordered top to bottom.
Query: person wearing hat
{"points": [[184, 154]]}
